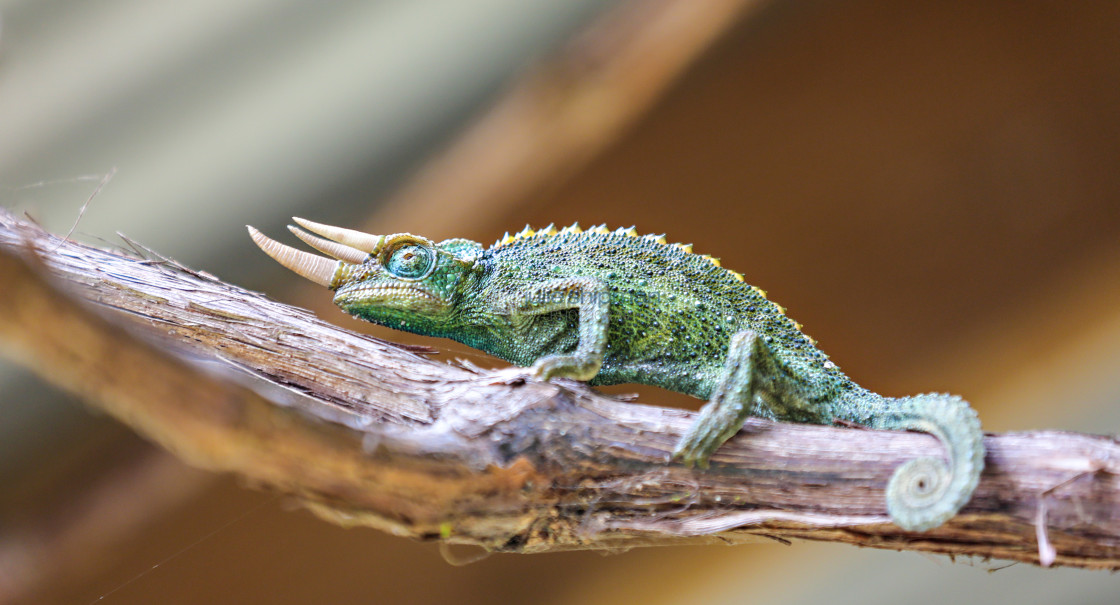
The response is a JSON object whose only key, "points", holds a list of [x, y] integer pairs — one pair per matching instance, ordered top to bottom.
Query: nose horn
{"points": [[368, 243], [339, 251], [315, 268]]}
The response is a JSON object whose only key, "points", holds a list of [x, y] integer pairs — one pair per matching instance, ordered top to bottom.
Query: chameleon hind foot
{"points": [[749, 370]]}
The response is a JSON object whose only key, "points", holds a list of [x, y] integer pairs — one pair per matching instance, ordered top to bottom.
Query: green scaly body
{"points": [[615, 307]]}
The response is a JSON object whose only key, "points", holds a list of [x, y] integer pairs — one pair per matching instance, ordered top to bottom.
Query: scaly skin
{"points": [[613, 307]]}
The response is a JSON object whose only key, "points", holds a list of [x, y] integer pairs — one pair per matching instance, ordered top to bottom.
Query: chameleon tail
{"points": [[924, 493]]}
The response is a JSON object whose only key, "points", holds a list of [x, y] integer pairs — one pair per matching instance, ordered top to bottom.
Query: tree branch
{"points": [[371, 433]]}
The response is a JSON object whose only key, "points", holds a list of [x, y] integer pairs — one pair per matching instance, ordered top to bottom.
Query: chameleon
{"points": [[610, 307]]}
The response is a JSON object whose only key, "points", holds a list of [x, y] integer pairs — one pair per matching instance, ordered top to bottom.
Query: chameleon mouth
{"points": [[380, 293]]}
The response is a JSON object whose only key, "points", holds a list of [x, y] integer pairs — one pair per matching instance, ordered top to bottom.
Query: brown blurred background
{"points": [[931, 188]]}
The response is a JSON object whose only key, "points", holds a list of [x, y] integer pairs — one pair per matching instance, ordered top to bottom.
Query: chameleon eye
{"points": [[410, 262]]}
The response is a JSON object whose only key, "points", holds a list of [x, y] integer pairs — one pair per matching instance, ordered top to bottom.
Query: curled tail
{"points": [[924, 493]]}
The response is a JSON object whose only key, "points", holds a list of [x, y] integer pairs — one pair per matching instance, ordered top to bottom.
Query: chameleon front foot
{"points": [[555, 366], [576, 367]]}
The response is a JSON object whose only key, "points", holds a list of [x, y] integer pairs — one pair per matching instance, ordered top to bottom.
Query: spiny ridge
{"points": [[602, 229]]}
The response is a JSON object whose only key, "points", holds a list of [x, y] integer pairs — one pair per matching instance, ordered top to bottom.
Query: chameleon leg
{"points": [[591, 297], [750, 375], [922, 493]]}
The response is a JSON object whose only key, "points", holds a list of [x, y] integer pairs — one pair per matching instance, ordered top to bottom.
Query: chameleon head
{"points": [[402, 281]]}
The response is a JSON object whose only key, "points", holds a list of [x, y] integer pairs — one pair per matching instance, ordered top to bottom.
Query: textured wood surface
{"points": [[370, 433]]}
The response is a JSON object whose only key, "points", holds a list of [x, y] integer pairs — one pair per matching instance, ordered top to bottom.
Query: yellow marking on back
{"points": [[602, 229], [801, 328]]}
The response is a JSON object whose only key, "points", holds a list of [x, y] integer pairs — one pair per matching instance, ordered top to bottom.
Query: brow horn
{"points": [[355, 239], [339, 251], [315, 268]]}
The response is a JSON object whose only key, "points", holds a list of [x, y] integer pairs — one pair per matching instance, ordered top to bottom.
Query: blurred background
{"points": [[931, 188]]}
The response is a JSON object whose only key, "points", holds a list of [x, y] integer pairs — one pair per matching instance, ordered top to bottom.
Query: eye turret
{"points": [[408, 257]]}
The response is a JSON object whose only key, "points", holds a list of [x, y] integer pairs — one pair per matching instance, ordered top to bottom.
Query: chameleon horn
{"points": [[355, 239], [339, 251], [314, 268]]}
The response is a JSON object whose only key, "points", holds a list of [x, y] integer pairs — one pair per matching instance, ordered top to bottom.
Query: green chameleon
{"points": [[613, 307]]}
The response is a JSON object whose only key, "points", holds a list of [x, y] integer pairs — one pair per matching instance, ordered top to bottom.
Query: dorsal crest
{"points": [[574, 229]]}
